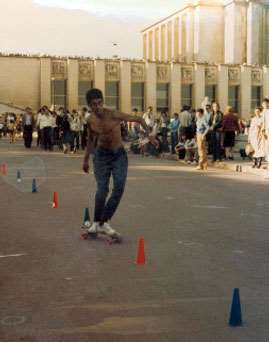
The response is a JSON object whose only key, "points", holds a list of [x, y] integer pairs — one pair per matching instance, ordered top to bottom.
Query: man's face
{"points": [[97, 105], [265, 105], [208, 108]]}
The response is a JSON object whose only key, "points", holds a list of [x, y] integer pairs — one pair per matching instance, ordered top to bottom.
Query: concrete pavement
{"points": [[205, 234]]}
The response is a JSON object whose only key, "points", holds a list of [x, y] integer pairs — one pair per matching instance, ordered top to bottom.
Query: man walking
{"points": [[109, 158]]}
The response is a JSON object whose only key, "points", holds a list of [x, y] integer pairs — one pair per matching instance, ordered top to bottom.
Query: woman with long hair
{"points": [[229, 127]]}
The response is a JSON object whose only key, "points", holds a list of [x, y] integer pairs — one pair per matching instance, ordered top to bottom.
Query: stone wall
{"points": [[20, 81]]}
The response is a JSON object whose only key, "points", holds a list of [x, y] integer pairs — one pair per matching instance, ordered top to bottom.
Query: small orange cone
{"points": [[4, 169], [55, 200], [141, 259]]}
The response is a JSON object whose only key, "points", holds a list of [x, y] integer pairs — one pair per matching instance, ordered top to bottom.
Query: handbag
{"points": [[249, 149]]}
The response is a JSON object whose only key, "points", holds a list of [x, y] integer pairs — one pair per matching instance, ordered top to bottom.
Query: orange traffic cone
{"points": [[3, 169], [55, 200], [141, 259]]}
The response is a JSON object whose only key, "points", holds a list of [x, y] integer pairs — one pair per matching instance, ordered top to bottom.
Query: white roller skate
{"points": [[107, 230]]}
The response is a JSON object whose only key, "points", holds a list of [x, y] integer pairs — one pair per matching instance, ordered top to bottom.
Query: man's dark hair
{"points": [[94, 94], [265, 99], [135, 110], [200, 110]]}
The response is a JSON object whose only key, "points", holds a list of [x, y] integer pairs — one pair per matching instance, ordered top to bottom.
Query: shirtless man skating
{"points": [[109, 158]]}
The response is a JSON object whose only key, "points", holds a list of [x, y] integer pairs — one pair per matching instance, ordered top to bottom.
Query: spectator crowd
{"points": [[191, 135]]}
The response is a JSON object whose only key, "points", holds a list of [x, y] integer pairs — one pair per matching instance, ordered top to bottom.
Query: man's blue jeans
{"points": [[107, 163]]}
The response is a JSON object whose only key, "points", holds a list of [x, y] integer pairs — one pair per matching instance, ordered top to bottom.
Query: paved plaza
{"points": [[205, 234]]}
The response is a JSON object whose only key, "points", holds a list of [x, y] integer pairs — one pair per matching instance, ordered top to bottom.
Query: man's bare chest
{"points": [[104, 127]]}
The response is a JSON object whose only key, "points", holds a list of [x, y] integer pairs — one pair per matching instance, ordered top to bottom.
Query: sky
{"points": [[79, 27]]}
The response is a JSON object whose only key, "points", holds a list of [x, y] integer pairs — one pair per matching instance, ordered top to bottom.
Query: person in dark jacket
{"points": [[28, 126], [215, 127], [229, 127]]}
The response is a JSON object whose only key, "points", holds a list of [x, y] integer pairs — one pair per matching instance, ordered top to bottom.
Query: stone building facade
{"points": [[212, 31], [34, 81]]}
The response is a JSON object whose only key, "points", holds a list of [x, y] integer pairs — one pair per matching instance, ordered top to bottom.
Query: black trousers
{"points": [[28, 135], [47, 143]]}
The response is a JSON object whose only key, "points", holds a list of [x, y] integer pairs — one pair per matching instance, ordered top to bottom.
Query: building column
{"points": [[190, 36], [180, 37], [255, 39], [99, 75], [265, 81], [45, 82], [72, 84], [151, 84], [199, 84], [125, 86], [223, 86], [175, 88], [245, 90]]}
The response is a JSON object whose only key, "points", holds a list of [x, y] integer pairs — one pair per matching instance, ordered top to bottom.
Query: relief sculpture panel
{"points": [[59, 69], [86, 70], [112, 71], [138, 72], [162, 73], [187, 75], [211, 75], [234, 75], [256, 77]]}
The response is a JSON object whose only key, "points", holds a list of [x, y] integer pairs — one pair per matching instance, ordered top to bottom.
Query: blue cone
{"points": [[18, 176], [34, 187], [86, 215], [236, 315]]}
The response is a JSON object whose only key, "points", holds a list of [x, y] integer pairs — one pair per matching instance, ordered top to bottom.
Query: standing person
{"points": [[265, 114], [149, 117], [186, 121], [45, 124], [2, 125], [11, 126], [28, 126], [75, 126], [134, 127], [174, 127], [216, 127], [229, 127], [202, 128], [83, 129], [164, 130], [66, 132], [54, 137], [257, 137], [39, 140], [110, 158]]}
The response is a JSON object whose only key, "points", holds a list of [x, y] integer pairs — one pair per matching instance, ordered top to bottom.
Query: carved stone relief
{"points": [[59, 69], [86, 70], [112, 71], [138, 73], [162, 73], [187, 75], [211, 75], [234, 75], [256, 76]]}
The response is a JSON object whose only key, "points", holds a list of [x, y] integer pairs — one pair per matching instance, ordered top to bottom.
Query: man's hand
{"points": [[86, 166]]}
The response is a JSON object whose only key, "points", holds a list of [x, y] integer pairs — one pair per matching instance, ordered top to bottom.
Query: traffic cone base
{"points": [[34, 188], [55, 200], [86, 215], [236, 315]]}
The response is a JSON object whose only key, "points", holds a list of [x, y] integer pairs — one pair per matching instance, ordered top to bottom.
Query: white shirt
{"points": [[265, 114], [149, 118], [45, 121]]}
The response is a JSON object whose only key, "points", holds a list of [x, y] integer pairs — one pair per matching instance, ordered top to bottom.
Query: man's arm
{"points": [[132, 118]]}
